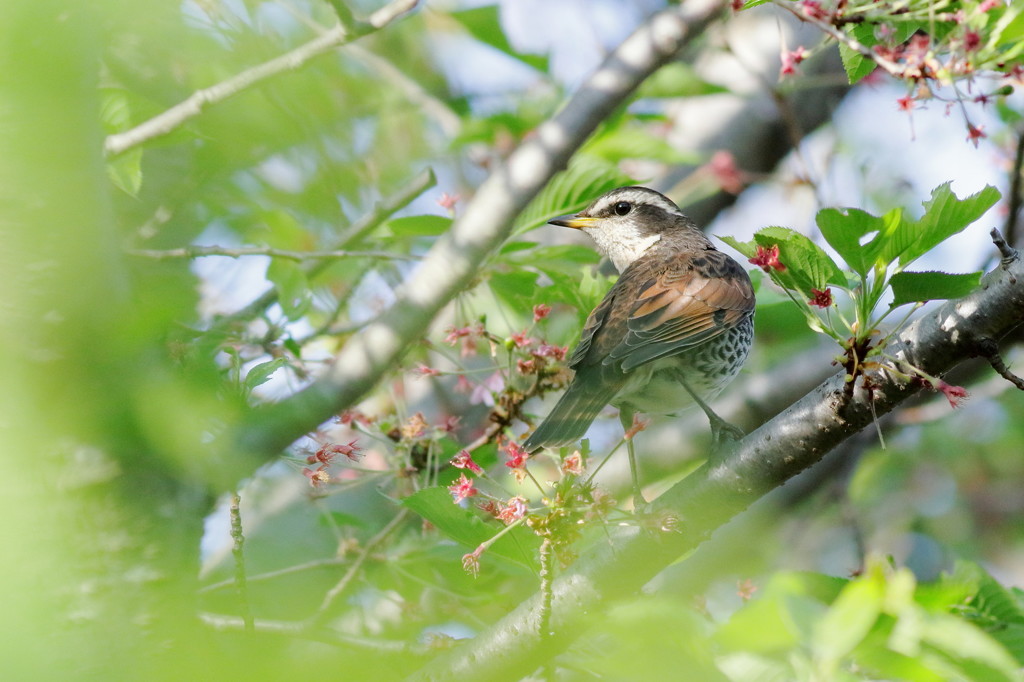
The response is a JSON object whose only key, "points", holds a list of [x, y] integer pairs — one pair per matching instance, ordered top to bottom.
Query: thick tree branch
{"points": [[169, 120], [450, 265], [710, 496]]}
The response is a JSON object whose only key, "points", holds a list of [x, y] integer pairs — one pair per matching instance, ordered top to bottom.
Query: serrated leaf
{"points": [[484, 24], [856, 65], [585, 179], [944, 216], [846, 231], [748, 249], [564, 257], [807, 265], [912, 287], [293, 292], [261, 373], [463, 526]]}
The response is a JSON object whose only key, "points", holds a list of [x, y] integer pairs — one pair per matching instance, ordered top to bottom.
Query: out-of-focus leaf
{"points": [[484, 24], [677, 80], [630, 142], [125, 171], [573, 189], [418, 226], [518, 288], [293, 293], [261, 373], [436, 506], [849, 619]]}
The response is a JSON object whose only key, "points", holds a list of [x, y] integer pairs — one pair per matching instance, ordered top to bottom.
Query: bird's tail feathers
{"points": [[571, 417]]}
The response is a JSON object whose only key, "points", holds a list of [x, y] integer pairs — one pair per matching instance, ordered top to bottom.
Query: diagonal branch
{"points": [[166, 122], [450, 265], [710, 496]]}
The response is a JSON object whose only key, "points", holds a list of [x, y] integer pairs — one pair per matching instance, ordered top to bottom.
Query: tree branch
{"points": [[169, 120], [240, 251], [450, 265], [710, 496]]}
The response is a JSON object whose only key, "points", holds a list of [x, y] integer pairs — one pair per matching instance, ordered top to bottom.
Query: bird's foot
{"points": [[723, 432]]}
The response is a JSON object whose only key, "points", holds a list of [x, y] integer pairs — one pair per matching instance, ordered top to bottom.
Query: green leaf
{"points": [[484, 24], [858, 66], [677, 80], [630, 142], [125, 171], [586, 178], [944, 216], [418, 225], [279, 229], [847, 231], [748, 249], [562, 257], [807, 265], [911, 287], [517, 288], [293, 293], [260, 373], [463, 526], [849, 619], [976, 654]]}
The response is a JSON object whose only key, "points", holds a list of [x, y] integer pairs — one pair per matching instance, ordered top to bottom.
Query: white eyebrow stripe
{"points": [[635, 196]]}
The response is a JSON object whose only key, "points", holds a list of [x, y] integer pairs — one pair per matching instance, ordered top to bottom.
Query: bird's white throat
{"points": [[622, 247]]}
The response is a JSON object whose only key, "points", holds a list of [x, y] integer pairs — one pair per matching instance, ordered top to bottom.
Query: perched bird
{"points": [[674, 329]]}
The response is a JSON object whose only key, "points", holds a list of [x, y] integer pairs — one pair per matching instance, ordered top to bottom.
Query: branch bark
{"points": [[166, 122], [450, 265], [720, 489]]}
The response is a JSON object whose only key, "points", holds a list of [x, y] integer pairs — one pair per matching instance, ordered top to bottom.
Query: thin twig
{"points": [[889, 66], [169, 120], [1015, 198], [240, 251], [1007, 253], [989, 350], [237, 547], [353, 570], [270, 575], [224, 623]]}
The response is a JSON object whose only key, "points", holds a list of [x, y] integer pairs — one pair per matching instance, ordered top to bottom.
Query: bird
{"points": [[675, 328]]}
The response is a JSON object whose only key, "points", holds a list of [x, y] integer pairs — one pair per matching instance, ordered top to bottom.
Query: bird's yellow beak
{"points": [[576, 222]]}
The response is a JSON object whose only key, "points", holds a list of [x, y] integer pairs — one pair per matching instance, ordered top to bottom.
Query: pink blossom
{"points": [[464, 460], [462, 489], [513, 510]]}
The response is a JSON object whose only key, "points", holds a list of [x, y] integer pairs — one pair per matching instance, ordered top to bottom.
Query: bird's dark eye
{"points": [[622, 208]]}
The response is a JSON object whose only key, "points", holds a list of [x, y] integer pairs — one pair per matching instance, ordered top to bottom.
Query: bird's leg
{"points": [[626, 416], [719, 426]]}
